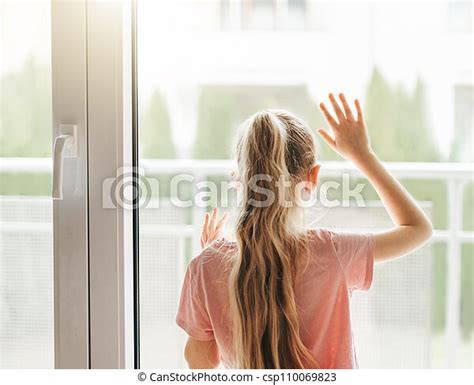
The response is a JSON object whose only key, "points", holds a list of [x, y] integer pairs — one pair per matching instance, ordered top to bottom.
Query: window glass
{"points": [[200, 77], [26, 232]]}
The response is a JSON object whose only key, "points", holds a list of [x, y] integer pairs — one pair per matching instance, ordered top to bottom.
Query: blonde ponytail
{"points": [[274, 145]]}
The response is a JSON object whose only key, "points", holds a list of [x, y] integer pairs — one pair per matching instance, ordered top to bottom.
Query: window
{"points": [[459, 16], [196, 70], [195, 85], [463, 123], [26, 211], [49, 297]]}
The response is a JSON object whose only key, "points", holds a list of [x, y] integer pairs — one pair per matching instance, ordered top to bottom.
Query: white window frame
{"points": [[92, 68], [69, 101], [93, 245]]}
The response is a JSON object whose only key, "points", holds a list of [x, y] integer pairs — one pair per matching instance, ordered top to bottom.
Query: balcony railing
{"points": [[455, 175]]}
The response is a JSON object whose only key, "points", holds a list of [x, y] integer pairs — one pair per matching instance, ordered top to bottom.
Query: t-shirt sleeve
{"points": [[356, 256], [192, 315]]}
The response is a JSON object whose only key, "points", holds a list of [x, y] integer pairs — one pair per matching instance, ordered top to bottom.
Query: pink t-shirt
{"points": [[338, 264]]}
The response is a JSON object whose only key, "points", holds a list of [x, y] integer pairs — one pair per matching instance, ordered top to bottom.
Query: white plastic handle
{"points": [[61, 143]]}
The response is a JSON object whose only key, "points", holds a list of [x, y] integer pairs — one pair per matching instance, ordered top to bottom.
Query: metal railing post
{"points": [[453, 287]]}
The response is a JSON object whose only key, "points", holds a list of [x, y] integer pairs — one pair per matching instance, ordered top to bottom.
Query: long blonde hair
{"points": [[279, 146]]}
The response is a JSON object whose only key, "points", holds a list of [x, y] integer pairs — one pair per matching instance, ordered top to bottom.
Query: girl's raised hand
{"points": [[351, 139], [412, 227], [212, 228]]}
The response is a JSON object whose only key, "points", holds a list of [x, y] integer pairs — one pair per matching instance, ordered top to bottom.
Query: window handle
{"points": [[65, 145]]}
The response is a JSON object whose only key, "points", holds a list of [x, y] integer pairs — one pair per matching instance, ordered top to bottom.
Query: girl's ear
{"points": [[313, 175]]}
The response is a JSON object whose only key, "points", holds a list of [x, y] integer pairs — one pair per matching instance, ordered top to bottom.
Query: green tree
{"points": [[223, 108], [381, 116], [26, 118], [398, 123], [26, 125], [155, 129]]}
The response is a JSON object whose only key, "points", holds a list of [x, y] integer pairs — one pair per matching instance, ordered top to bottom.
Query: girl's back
{"points": [[337, 264], [279, 297]]}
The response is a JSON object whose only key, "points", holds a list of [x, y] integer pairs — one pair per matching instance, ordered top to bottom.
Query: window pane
{"points": [[197, 83], [26, 262]]}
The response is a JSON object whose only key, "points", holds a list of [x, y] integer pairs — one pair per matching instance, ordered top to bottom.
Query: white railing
{"points": [[455, 175]]}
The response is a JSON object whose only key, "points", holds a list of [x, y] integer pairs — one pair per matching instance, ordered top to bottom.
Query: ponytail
{"points": [[274, 145]]}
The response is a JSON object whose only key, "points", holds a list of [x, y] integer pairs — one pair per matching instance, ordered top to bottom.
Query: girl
{"points": [[279, 296]]}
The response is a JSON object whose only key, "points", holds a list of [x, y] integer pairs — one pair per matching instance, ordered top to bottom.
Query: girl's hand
{"points": [[351, 140], [412, 227], [210, 229]]}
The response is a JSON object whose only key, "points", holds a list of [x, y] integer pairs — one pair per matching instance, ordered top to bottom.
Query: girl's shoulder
{"points": [[318, 232], [320, 236], [333, 236], [327, 242], [214, 257]]}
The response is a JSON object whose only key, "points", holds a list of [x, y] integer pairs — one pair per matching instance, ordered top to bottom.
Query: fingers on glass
{"points": [[345, 105], [337, 109], [342, 114], [360, 117], [332, 122], [327, 137], [206, 220], [212, 222], [221, 222], [212, 227], [205, 230]]}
